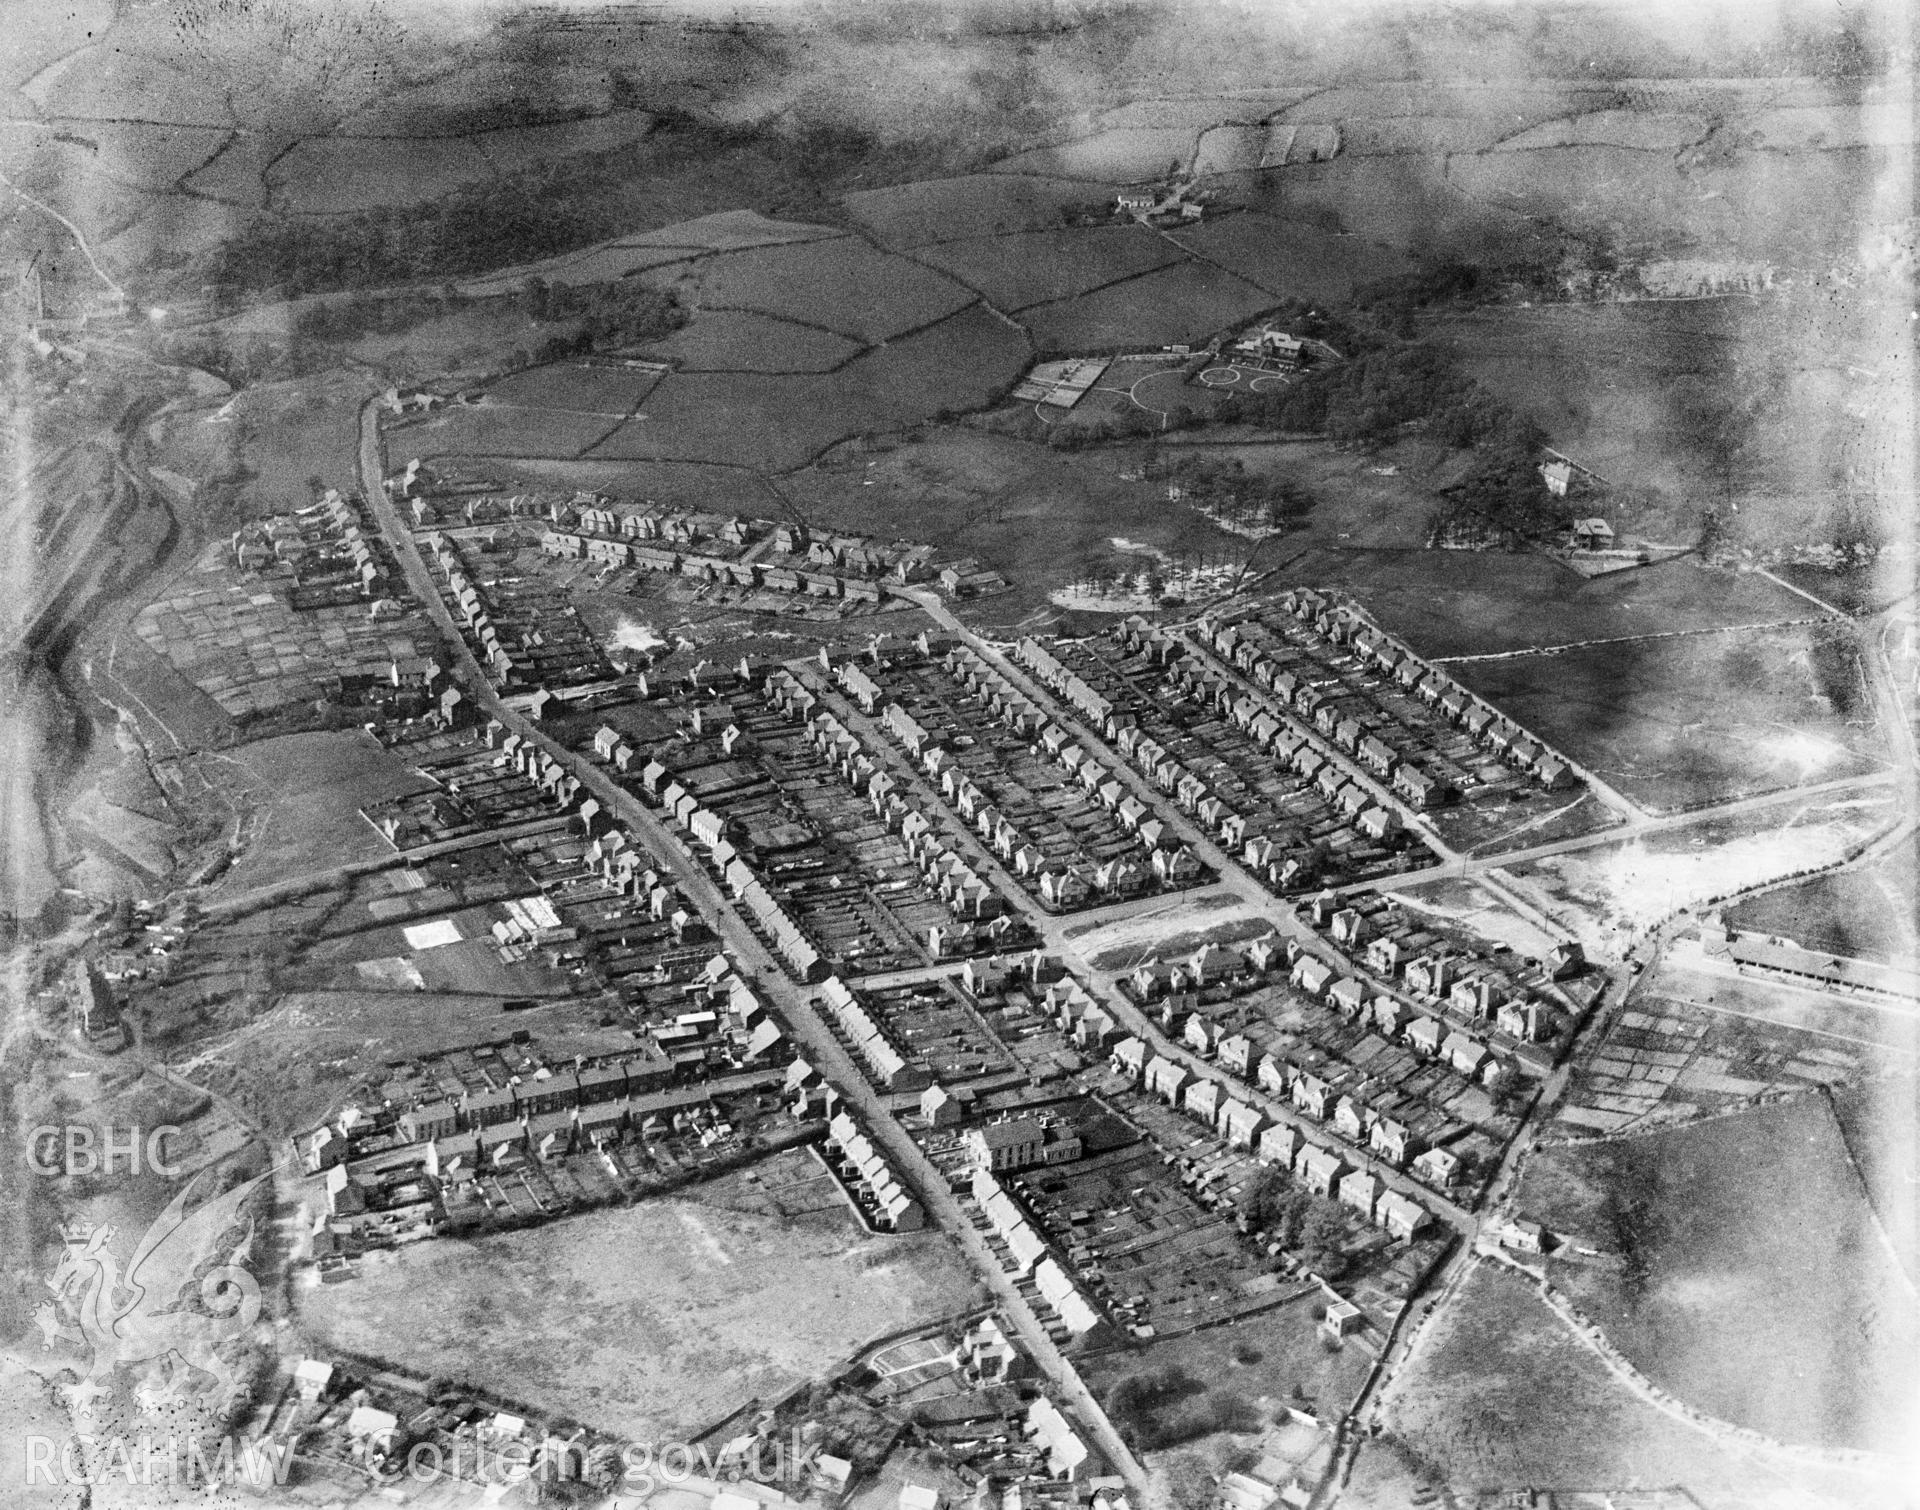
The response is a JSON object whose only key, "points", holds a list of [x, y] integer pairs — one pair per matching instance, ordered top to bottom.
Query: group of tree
{"points": [[1224, 487], [1298, 1219], [1162, 1407]]}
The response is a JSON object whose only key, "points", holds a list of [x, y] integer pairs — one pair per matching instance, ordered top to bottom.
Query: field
{"points": [[1122, 154], [334, 175], [983, 204], [1290, 259], [1038, 267], [842, 285], [1184, 303], [732, 341], [599, 389], [1731, 401], [783, 421], [495, 430], [1040, 517], [1468, 603], [1677, 722], [305, 792], [1611, 891], [1867, 910], [1878, 1119], [726, 1307], [1802, 1330], [1269, 1361], [1500, 1395]]}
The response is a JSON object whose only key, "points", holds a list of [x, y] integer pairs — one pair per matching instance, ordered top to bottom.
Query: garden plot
{"points": [[1123, 155], [337, 175], [979, 205], [1288, 259], [1037, 267], [841, 285], [1184, 303], [727, 341], [1666, 1059], [1722, 1301]]}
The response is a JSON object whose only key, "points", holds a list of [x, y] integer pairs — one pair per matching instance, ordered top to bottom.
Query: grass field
{"points": [[1120, 155], [335, 175], [980, 204], [1290, 259], [1013, 271], [842, 285], [1184, 303], [724, 341], [598, 389], [1669, 398], [783, 421], [1038, 516], [1462, 603], [1675, 722], [305, 792], [1630, 885], [1866, 910], [1880, 1120], [1754, 1282], [651, 1322], [1500, 1395]]}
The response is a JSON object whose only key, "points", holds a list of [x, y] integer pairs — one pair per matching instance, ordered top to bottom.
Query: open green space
{"points": [[1038, 267], [1185, 303], [1677, 722], [1867, 910], [651, 1322], [1801, 1329], [1501, 1395]]}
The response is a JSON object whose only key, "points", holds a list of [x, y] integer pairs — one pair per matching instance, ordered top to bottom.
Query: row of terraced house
{"points": [[617, 552], [1344, 624], [1362, 804], [1167, 861], [790, 941], [1240, 1124], [876, 1186]]}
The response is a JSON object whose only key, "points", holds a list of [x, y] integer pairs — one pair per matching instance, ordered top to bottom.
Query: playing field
{"points": [[650, 1322]]}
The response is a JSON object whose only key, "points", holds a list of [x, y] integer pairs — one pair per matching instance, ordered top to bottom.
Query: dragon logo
{"points": [[133, 1315]]}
